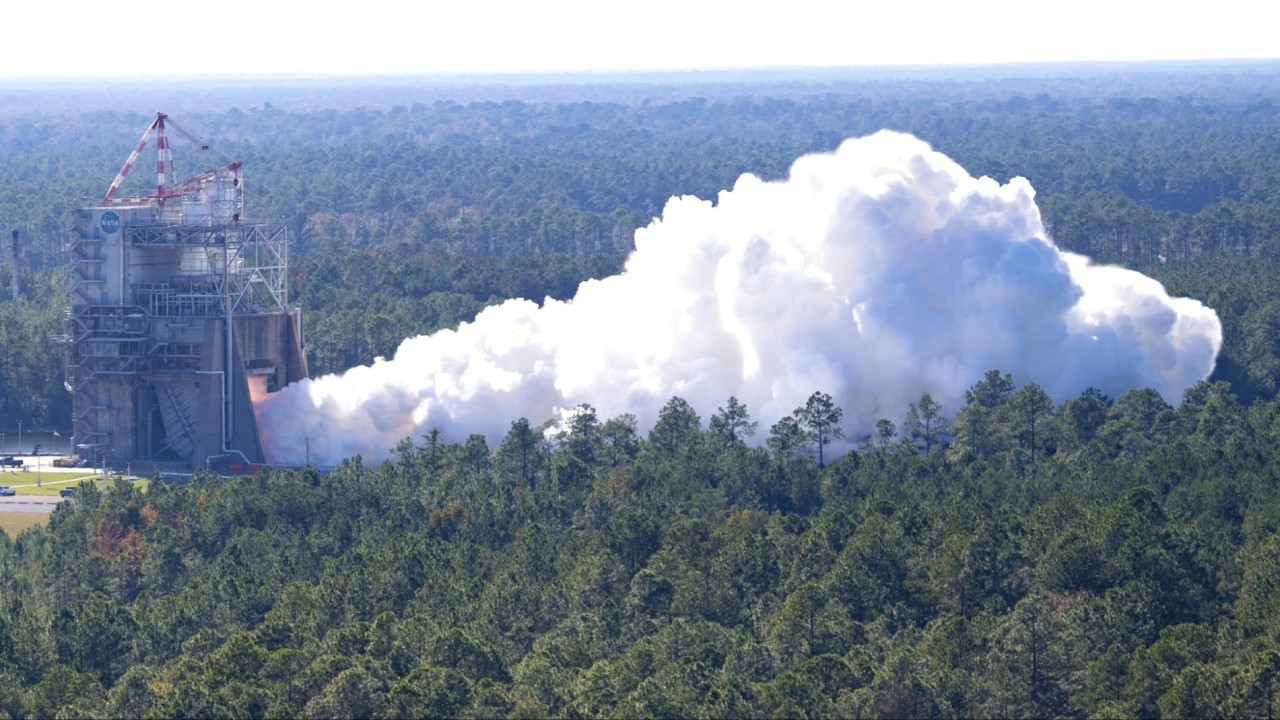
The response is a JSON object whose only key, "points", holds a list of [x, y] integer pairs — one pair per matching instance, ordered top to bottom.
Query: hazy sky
{"points": [[73, 38]]}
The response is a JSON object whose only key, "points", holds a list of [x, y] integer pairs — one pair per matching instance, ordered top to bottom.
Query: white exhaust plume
{"points": [[876, 273]]}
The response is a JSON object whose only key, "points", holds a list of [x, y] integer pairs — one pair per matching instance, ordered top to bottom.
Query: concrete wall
{"points": [[273, 340], [261, 343], [243, 430]]}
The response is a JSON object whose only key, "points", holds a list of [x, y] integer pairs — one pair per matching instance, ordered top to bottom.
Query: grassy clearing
{"points": [[50, 483], [15, 522]]}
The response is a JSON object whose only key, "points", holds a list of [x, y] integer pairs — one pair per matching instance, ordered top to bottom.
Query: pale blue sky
{"points": [[75, 38]]}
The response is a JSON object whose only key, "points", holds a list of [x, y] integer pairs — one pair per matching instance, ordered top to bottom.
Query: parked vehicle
{"points": [[10, 461], [6, 491]]}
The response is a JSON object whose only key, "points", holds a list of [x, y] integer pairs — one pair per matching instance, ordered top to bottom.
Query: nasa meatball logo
{"points": [[109, 222]]}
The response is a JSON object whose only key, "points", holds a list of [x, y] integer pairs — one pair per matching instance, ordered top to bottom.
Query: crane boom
{"points": [[133, 158], [193, 183]]}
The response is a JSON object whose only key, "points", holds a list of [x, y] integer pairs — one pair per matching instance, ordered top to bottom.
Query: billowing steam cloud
{"points": [[876, 273]]}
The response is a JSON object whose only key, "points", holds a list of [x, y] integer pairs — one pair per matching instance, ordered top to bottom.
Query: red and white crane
{"points": [[166, 183]]}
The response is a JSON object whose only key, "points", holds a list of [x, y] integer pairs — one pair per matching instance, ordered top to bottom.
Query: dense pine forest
{"points": [[1108, 556]]}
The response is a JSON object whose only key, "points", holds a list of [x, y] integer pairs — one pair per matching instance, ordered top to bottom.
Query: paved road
{"points": [[29, 503]]}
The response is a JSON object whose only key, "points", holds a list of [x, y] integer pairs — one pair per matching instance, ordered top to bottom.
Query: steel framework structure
{"points": [[156, 285]]}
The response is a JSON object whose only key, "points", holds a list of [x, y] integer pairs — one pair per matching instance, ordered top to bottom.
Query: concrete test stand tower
{"points": [[178, 317]]}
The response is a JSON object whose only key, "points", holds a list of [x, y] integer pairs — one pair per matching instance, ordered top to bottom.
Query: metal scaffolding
{"points": [[160, 285]]}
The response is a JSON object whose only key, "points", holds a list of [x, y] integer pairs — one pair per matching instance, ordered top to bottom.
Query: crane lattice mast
{"points": [[166, 177]]}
